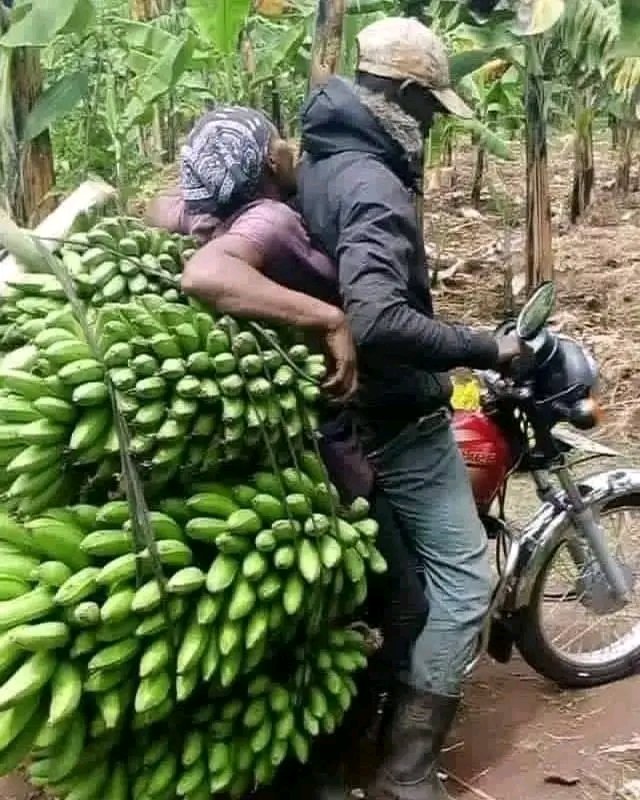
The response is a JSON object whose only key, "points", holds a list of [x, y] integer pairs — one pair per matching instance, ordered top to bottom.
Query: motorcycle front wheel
{"points": [[573, 632]]}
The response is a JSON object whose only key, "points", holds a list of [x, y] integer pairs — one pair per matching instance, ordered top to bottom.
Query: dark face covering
{"points": [[420, 104]]}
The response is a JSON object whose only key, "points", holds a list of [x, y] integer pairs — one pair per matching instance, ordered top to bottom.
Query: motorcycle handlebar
{"points": [[501, 385]]}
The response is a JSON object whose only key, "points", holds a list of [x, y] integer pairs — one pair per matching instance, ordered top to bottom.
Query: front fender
{"points": [[546, 530]]}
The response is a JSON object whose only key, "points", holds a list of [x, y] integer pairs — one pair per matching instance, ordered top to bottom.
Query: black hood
{"points": [[334, 120]]}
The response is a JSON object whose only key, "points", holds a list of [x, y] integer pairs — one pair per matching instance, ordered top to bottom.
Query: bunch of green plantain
{"points": [[117, 259], [198, 394], [214, 632], [98, 647], [211, 746]]}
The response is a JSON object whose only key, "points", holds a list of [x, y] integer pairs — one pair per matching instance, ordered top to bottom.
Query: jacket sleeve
{"points": [[376, 231]]}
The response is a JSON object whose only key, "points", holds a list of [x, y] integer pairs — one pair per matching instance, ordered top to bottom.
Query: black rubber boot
{"points": [[417, 732], [363, 750], [317, 782]]}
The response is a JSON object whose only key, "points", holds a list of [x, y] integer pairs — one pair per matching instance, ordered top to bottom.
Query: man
{"points": [[362, 145]]}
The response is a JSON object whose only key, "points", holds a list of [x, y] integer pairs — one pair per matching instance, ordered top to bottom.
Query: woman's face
{"points": [[282, 167]]}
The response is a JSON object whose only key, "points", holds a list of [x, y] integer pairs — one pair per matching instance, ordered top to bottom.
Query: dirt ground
{"points": [[597, 266], [519, 737]]}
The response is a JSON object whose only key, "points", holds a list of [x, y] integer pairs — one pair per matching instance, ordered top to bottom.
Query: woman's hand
{"points": [[342, 382]]}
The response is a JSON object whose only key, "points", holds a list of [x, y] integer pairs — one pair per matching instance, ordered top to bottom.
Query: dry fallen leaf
{"points": [[562, 780]]}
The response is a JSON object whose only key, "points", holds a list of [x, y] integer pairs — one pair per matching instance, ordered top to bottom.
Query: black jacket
{"points": [[355, 191]]}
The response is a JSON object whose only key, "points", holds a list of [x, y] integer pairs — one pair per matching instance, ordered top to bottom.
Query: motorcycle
{"points": [[529, 423]]}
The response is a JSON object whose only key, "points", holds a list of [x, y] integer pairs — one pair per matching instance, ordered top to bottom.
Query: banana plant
{"points": [[524, 17], [36, 25], [519, 31], [585, 41], [591, 43], [629, 43], [250, 48], [144, 65], [495, 91], [625, 107], [497, 112], [25, 113], [9, 159]]}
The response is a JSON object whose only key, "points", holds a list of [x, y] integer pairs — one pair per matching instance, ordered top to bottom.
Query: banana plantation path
{"points": [[519, 737]]}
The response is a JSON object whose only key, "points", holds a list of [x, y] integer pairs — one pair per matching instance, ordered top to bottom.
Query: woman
{"points": [[236, 172], [256, 260]]}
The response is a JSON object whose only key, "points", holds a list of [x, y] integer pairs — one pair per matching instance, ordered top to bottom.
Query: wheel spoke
{"points": [[578, 619]]}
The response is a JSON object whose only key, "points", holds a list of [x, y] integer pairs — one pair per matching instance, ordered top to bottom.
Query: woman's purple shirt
{"points": [[274, 228]]}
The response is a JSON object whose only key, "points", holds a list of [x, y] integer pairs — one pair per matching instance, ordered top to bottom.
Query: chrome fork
{"points": [[585, 521]]}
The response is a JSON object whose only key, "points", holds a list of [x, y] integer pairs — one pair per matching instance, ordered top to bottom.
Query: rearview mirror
{"points": [[536, 311]]}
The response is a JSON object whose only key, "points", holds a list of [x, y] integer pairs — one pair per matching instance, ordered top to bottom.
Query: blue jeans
{"points": [[423, 477], [396, 602]]}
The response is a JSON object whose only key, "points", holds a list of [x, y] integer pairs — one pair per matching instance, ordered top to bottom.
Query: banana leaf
{"points": [[44, 21], [629, 42], [490, 140]]}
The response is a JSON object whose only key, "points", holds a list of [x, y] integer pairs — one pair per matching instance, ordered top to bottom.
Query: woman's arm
{"points": [[166, 210], [227, 273]]}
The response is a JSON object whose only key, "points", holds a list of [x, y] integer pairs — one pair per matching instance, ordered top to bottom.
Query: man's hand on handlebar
{"points": [[510, 346], [515, 357]]}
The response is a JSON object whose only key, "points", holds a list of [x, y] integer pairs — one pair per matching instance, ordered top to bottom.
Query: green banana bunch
{"points": [[117, 259], [196, 394], [216, 642], [95, 648], [225, 746]]}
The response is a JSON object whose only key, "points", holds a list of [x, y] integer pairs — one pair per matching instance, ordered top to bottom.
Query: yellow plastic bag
{"points": [[466, 393]]}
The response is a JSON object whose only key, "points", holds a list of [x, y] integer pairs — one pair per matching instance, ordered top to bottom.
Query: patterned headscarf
{"points": [[223, 160]]}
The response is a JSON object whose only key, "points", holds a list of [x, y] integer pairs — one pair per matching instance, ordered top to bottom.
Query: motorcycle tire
{"points": [[535, 649]]}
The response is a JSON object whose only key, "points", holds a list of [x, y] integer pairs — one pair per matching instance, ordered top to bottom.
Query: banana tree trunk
{"points": [[145, 11], [327, 40], [248, 55], [276, 107], [613, 127], [170, 130], [157, 131], [626, 134], [447, 150], [583, 164], [478, 174], [33, 199], [539, 236]]}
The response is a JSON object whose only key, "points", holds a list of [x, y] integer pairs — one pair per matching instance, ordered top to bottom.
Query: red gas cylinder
{"points": [[486, 453]]}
